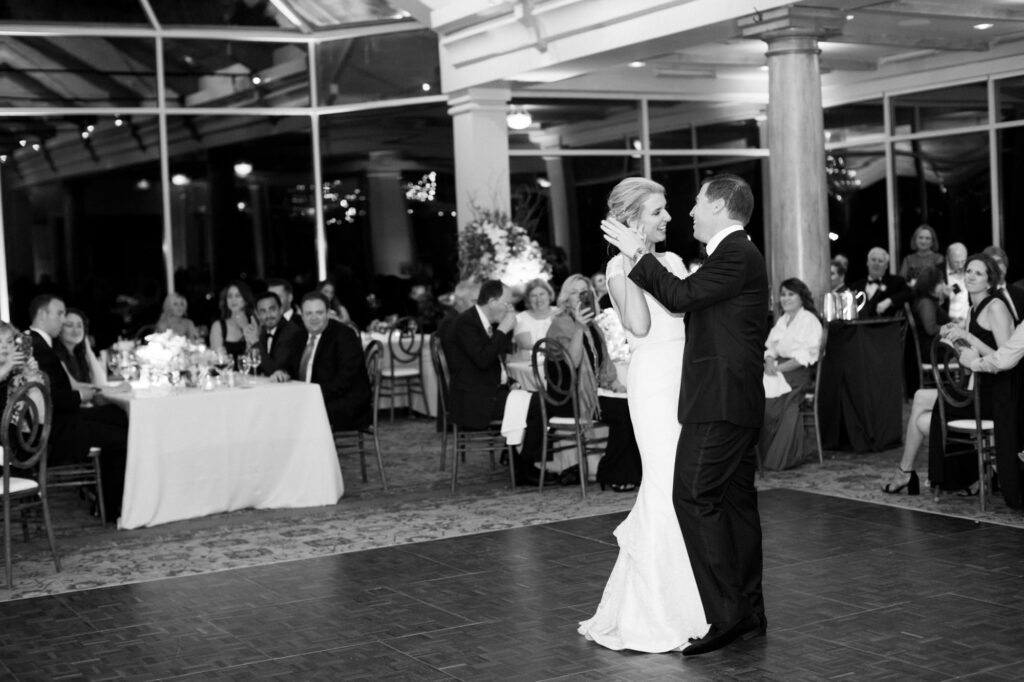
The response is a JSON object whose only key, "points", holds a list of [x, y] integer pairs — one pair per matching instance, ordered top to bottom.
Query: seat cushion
{"points": [[400, 372], [968, 425], [22, 485]]}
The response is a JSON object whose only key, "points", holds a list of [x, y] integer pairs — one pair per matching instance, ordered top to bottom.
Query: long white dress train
{"points": [[651, 602]]}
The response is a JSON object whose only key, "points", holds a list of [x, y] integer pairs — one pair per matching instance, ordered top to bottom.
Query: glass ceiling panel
{"points": [[73, 11], [241, 13], [326, 13], [378, 67], [73, 71]]}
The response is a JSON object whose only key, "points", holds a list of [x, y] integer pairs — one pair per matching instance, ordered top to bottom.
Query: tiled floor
{"points": [[854, 591]]}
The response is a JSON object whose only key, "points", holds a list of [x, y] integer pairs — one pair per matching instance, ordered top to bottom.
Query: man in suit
{"points": [[283, 289], [885, 293], [958, 301], [279, 343], [474, 353], [332, 356], [721, 403], [74, 430]]}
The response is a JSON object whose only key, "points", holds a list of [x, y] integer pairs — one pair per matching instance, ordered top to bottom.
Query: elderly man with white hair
{"points": [[956, 289], [885, 293]]}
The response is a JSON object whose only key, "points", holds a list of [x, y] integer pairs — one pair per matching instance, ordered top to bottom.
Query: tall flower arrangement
{"points": [[494, 247]]}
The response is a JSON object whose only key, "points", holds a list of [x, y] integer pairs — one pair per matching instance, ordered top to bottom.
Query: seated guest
{"points": [[925, 254], [837, 277], [956, 289], [285, 294], [885, 294], [1013, 296], [334, 306], [927, 307], [236, 316], [173, 317], [532, 324], [573, 326], [478, 340], [279, 343], [75, 351], [790, 352], [332, 357], [16, 367], [73, 429]]}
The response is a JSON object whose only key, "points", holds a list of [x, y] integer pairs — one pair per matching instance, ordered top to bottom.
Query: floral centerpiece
{"points": [[494, 247], [614, 335], [168, 354]]}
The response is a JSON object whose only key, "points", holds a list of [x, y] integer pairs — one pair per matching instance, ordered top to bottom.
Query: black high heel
{"points": [[912, 486]]}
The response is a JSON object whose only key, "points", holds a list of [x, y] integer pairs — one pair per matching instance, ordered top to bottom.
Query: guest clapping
{"points": [[925, 254], [236, 316], [174, 317], [532, 324], [791, 350]]}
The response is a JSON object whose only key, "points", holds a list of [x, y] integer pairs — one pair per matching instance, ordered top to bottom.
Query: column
{"points": [[480, 137], [797, 228], [390, 229], [561, 234]]}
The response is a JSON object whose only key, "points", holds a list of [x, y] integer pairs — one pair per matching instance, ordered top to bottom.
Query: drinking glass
{"points": [[254, 359], [222, 360], [245, 362]]}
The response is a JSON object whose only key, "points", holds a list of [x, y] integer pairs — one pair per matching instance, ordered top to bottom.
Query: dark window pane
{"points": [[77, 12], [245, 13], [378, 67], [1010, 99], [961, 105], [850, 121], [577, 124], [670, 126]]}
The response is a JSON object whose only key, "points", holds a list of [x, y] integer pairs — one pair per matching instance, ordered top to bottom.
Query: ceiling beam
{"points": [[970, 11], [852, 36], [90, 73]]}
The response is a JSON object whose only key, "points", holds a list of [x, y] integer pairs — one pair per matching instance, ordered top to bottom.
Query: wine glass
{"points": [[254, 359], [245, 361]]}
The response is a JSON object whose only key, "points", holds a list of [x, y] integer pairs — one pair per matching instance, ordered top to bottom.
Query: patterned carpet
{"points": [[417, 507]]}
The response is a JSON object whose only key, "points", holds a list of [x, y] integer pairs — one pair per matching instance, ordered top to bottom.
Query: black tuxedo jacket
{"points": [[895, 288], [726, 301], [286, 350], [474, 360], [339, 368], [66, 401]]}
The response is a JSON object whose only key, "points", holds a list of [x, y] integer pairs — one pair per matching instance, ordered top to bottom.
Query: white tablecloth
{"points": [[429, 375], [194, 453]]}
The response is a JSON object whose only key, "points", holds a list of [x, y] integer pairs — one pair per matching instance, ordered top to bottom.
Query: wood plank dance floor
{"points": [[853, 590]]}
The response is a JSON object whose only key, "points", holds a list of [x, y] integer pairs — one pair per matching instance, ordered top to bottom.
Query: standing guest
{"points": [[925, 245], [837, 277], [600, 282], [956, 290], [885, 293], [285, 294], [1013, 296], [927, 307], [336, 310], [236, 316], [174, 317], [532, 324], [480, 338], [279, 343], [75, 351], [790, 352], [332, 357], [73, 429]]}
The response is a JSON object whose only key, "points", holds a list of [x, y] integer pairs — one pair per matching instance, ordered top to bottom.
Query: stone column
{"points": [[480, 137], [798, 202], [390, 229]]}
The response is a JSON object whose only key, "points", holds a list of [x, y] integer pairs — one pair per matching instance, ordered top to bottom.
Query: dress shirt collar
{"points": [[722, 234], [483, 319], [46, 337]]}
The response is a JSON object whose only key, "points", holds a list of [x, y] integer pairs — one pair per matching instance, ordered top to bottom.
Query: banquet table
{"points": [[429, 375], [860, 401], [192, 453]]}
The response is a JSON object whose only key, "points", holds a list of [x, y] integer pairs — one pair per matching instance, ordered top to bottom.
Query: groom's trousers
{"points": [[716, 504]]}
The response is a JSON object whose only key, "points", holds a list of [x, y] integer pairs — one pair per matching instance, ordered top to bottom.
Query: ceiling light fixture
{"points": [[849, 17], [983, 27], [638, 64], [256, 80], [426, 87], [518, 118], [118, 121], [36, 146], [243, 169], [180, 180], [142, 185]]}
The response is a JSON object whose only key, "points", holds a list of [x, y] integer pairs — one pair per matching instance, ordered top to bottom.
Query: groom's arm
{"points": [[720, 278]]}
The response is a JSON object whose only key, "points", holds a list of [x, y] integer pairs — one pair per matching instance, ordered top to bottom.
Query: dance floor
{"points": [[854, 591]]}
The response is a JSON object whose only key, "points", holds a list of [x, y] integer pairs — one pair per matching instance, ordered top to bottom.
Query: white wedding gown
{"points": [[651, 601]]}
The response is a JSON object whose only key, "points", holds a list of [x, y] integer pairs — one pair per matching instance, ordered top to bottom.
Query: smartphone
{"points": [[587, 301]]}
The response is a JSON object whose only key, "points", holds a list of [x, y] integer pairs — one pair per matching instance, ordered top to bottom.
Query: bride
{"points": [[651, 601]]}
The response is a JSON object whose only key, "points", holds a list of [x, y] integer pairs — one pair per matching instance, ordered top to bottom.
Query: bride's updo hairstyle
{"points": [[627, 198]]}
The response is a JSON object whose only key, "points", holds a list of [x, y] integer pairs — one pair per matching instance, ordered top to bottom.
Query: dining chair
{"points": [[403, 373], [926, 379], [558, 385], [960, 388], [812, 395], [24, 434], [355, 440], [464, 440], [84, 474]]}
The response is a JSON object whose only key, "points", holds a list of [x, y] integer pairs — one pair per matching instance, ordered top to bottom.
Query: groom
{"points": [[721, 404]]}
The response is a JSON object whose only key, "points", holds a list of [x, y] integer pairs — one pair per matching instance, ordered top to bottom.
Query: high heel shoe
{"points": [[912, 484]]}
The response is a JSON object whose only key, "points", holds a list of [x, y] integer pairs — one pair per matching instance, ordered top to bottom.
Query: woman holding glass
{"points": [[227, 334]]}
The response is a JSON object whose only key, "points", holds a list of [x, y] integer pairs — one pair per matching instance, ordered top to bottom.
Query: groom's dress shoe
{"points": [[753, 625]]}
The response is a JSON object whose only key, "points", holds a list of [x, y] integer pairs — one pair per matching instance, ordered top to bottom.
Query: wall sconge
{"points": [[518, 118], [243, 169]]}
